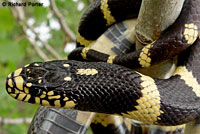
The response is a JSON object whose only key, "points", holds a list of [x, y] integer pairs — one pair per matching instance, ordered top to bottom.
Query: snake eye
{"points": [[36, 91]]}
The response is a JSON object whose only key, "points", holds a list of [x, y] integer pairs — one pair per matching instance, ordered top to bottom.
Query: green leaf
{"points": [[40, 13], [7, 20], [10, 51], [16, 129]]}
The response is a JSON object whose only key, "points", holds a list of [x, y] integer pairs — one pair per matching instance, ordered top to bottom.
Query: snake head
{"points": [[39, 83]]}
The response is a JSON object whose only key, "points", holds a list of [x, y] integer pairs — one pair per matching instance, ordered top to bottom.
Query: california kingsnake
{"points": [[113, 89]]}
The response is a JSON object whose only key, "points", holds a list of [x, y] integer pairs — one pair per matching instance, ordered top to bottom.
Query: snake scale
{"points": [[114, 89]]}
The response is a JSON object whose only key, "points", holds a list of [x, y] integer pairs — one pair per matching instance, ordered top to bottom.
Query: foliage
{"points": [[16, 51]]}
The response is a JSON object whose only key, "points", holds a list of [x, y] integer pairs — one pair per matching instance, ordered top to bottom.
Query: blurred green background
{"points": [[17, 41]]}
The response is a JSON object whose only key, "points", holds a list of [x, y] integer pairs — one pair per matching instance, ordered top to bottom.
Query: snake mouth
{"points": [[14, 85], [25, 86], [17, 87]]}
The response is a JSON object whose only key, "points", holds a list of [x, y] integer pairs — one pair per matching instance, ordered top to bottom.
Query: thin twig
{"points": [[18, 14], [61, 19], [46, 45], [37, 49], [15, 121]]}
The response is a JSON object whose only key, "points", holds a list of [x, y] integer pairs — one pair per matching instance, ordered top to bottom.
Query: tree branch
{"points": [[154, 17], [61, 19], [46, 45], [15, 121]]}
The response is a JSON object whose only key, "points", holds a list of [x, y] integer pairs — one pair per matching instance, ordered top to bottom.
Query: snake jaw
{"points": [[30, 84], [36, 95]]}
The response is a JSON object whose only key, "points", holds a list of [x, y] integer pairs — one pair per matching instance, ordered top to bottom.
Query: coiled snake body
{"points": [[174, 40], [113, 89]]}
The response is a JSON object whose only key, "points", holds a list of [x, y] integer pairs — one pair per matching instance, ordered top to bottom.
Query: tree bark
{"points": [[154, 17]]}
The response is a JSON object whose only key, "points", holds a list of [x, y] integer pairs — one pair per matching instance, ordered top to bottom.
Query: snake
{"points": [[101, 14], [173, 40], [115, 89], [53, 120], [56, 121]]}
